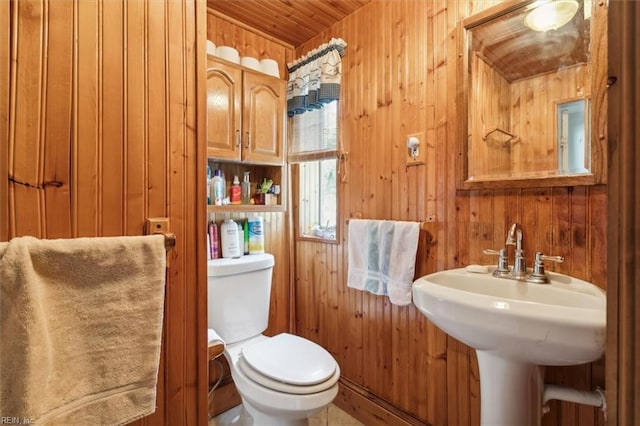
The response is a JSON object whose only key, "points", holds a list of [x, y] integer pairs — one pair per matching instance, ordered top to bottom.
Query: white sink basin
{"points": [[516, 328]]}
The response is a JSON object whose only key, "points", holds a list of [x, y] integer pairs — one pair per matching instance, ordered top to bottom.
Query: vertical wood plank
{"points": [[5, 80], [112, 116], [25, 125], [57, 132], [86, 150]]}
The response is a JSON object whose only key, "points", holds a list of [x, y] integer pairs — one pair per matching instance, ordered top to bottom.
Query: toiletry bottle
{"points": [[209, 177], [218, 188], [246, 189], [235, 191], [225, 199], [256, 235], [246, 237], [229, 239], [240, 239], [213, 240]]}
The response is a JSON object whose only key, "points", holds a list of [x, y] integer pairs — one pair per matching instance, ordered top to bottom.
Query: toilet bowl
{"points": [[282, 380], [266, 395]]}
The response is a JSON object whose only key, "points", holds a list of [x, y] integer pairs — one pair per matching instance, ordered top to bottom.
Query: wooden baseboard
{"points": [[369, 409]]}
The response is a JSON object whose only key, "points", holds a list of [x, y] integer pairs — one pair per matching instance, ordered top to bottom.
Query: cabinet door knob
{"points": [[238, 139]]}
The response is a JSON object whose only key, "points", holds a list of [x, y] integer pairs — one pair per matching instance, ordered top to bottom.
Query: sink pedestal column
{"points": [[510, 391]]}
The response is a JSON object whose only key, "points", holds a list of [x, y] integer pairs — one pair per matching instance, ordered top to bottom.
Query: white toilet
{"points": [[282, 379]]}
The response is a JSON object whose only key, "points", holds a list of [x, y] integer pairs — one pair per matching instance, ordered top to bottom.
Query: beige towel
{"points": [[80, 329]]}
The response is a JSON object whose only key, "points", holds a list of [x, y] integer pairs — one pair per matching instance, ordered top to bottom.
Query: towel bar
{"points": [[424, 227], [169, 240]]}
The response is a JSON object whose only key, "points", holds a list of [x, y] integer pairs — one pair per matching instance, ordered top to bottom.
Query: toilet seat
{"points": [[289, 364], [275, 385]]}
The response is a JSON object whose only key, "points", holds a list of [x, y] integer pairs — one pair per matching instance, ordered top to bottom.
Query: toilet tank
{"points": [[238, 296]]}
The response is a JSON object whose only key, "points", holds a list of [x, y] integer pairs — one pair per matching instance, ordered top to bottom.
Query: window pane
{"points": [[318, 199]]}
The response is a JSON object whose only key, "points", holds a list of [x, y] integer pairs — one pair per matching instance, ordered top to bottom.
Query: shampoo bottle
{"points": [[218, 188]]}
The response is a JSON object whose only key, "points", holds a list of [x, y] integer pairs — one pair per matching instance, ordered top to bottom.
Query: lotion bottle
{"points": [[229, 239]]}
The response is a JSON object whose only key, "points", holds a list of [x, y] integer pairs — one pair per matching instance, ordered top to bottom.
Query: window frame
{"points": [[294, 161]]}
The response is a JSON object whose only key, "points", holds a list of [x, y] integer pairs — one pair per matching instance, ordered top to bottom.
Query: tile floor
{"points": [[330, 416]]}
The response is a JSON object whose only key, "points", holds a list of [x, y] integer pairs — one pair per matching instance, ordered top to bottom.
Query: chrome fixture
{"points": [[514, 238], [519, 270], [537, 275]]}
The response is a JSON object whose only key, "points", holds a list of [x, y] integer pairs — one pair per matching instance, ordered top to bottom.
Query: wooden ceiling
{"points": [[291, 21]]}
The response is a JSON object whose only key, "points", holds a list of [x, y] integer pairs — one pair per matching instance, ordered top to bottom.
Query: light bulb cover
{"points": [[551, 15]]}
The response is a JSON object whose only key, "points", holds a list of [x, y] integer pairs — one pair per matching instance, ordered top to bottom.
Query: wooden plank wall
{"points": [[399, 78], [101, 126]]}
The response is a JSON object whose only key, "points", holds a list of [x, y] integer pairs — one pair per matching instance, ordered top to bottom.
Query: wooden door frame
{"points": [[201, 213], [623, 272]]}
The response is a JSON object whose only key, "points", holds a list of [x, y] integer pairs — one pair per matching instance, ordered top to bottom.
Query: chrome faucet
{"points": [[514, 238], [519, 270]]}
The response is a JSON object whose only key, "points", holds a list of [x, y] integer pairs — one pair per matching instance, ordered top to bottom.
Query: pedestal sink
{"points": [[516, 328]]}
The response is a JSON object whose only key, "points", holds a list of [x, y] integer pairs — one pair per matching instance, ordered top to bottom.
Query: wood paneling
{"points": [[290, 21], [398, 81], [102, 118]]}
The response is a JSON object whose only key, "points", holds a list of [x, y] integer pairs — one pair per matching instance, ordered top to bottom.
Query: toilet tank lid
{"points": [[242, 264]]}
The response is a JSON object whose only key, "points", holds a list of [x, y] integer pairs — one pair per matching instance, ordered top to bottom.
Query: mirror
{"points": [[532, 101]]}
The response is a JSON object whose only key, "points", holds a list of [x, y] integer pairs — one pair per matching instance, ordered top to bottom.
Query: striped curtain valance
{"points": [[314, 79]]}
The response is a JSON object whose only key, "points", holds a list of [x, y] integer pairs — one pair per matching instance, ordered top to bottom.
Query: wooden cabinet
{"points": [[245, 114]]}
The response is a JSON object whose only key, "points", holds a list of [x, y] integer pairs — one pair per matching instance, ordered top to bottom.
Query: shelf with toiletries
{"points": [[245, 114], [258, 187]]}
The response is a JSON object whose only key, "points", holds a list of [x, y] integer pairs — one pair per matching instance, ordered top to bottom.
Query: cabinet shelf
{"points": [[232, 208]]}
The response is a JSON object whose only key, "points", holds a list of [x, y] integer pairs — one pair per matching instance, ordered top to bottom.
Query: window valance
{"points": [[314, 79]]}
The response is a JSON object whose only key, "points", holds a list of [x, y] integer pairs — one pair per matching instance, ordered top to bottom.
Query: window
{"points": [[314, 152]]}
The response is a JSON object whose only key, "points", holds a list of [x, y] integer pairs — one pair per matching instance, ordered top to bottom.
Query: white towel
{"points": [[382, 257], [80, 328], [215, 339]]}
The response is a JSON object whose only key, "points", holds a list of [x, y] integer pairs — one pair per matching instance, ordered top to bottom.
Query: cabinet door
{"points": [[224, 98], [263, 118]]}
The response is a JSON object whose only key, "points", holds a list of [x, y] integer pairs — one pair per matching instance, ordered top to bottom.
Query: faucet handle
{"points": [[541, 257], [503, 268], [538, 275]]}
